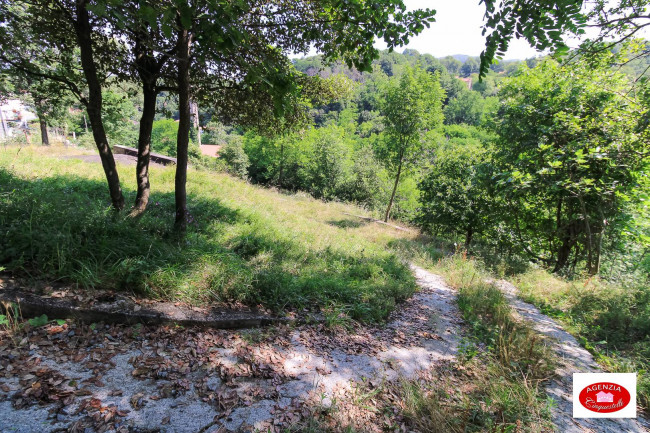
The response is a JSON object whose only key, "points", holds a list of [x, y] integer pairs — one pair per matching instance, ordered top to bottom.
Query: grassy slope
{"points": [[245, 243]]}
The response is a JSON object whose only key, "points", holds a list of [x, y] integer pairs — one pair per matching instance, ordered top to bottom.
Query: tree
{"points": [[542, 23], [58, 37], [243, 55], [452, 65], [471, 66], [48, 98], [412, 105], [468, 107], [572, 142], [454, 195]]}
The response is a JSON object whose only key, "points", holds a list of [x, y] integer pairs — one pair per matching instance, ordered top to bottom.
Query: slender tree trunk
{"points": [[94, 105], [197, 121], [3, 124], [184, 125], [45, 140], [144, 147], [281, 163], [392, 196], [601, 235], [468, 237], [590, 242], [563, 253]]}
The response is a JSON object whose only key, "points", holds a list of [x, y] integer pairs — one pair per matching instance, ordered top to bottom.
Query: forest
{"points": [[343, 185]]}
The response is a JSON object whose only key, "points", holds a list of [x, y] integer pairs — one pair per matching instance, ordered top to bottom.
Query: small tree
{"points": [[411, 106], [572, 144], [454, 195]]}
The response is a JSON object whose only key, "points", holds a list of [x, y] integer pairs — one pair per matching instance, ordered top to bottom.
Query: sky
{"points": [[457, 30]]}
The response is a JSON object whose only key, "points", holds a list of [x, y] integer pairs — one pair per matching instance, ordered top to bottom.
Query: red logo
{"points": [[604, 397]]}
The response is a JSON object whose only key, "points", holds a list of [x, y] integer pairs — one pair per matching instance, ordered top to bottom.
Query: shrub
{"points": [[234, 156]]}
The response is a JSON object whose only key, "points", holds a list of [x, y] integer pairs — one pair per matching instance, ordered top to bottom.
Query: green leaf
{"points": [[38, 321]]}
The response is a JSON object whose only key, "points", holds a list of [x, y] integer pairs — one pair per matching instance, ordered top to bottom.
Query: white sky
{"points": [[457, 30]]}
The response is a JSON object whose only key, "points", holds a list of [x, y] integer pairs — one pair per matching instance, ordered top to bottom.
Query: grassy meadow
{"points": [[244, 244]]}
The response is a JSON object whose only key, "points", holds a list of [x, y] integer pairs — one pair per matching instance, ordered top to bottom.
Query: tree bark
{"points": [[94, 106], [197, 121], [184, 125], [45, 140], [144, 147], [281, 163], [392, 196], [468, 237], [590, 242], [564, 252]]}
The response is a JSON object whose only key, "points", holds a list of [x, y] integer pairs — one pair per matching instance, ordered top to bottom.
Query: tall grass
{"points": [[245, 244], [612, 321], [506, 363]]}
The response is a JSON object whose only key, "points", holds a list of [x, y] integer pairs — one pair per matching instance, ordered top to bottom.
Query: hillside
{"points": [[245, 243]]}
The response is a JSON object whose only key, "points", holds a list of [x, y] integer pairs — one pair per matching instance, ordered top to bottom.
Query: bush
{"points": [[235, 158]]}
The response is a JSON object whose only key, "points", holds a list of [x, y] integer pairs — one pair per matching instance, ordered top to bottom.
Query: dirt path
{"points": [[573, 359], [70, 377]]}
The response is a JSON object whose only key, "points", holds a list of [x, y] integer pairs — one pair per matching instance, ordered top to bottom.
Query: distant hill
{"points": [[461, 57]]}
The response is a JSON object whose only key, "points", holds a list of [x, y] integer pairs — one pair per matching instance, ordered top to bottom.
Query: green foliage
{"points": [[542, 23], [411, 106], [469, 108], [118, 114], [163, 136], [568, 152], [236, 159], [330, 164], [454, 194], [38, 321]]}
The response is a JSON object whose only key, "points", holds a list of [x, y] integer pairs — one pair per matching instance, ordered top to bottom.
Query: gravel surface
{"points": [[106, 378]]}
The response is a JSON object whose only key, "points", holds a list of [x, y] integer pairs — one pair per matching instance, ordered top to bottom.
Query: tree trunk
{"points": [[94, 105], [197, 122], [3, 124], [184, 125], [44, 138], [144, 147], [281, 163], [392, 196], [468, 237], [590, 242], [563, 254]]}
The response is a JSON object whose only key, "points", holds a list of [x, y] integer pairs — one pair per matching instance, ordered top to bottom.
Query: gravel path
{"points": [[572, 359], [72, 377]]}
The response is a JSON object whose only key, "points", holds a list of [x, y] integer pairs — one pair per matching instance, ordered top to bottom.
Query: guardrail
{"points": [[154, 157]]}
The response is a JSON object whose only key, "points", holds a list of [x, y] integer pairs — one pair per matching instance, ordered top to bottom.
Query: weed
{"points": [[10, 320], [611, 321], [504, 364]]}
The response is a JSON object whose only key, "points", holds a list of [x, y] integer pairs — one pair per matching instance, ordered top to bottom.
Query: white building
{"points": [[14, 115]]}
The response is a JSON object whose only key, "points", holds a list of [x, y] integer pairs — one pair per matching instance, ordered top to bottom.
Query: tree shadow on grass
{"points": [[348, 223], [62, 228]]}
